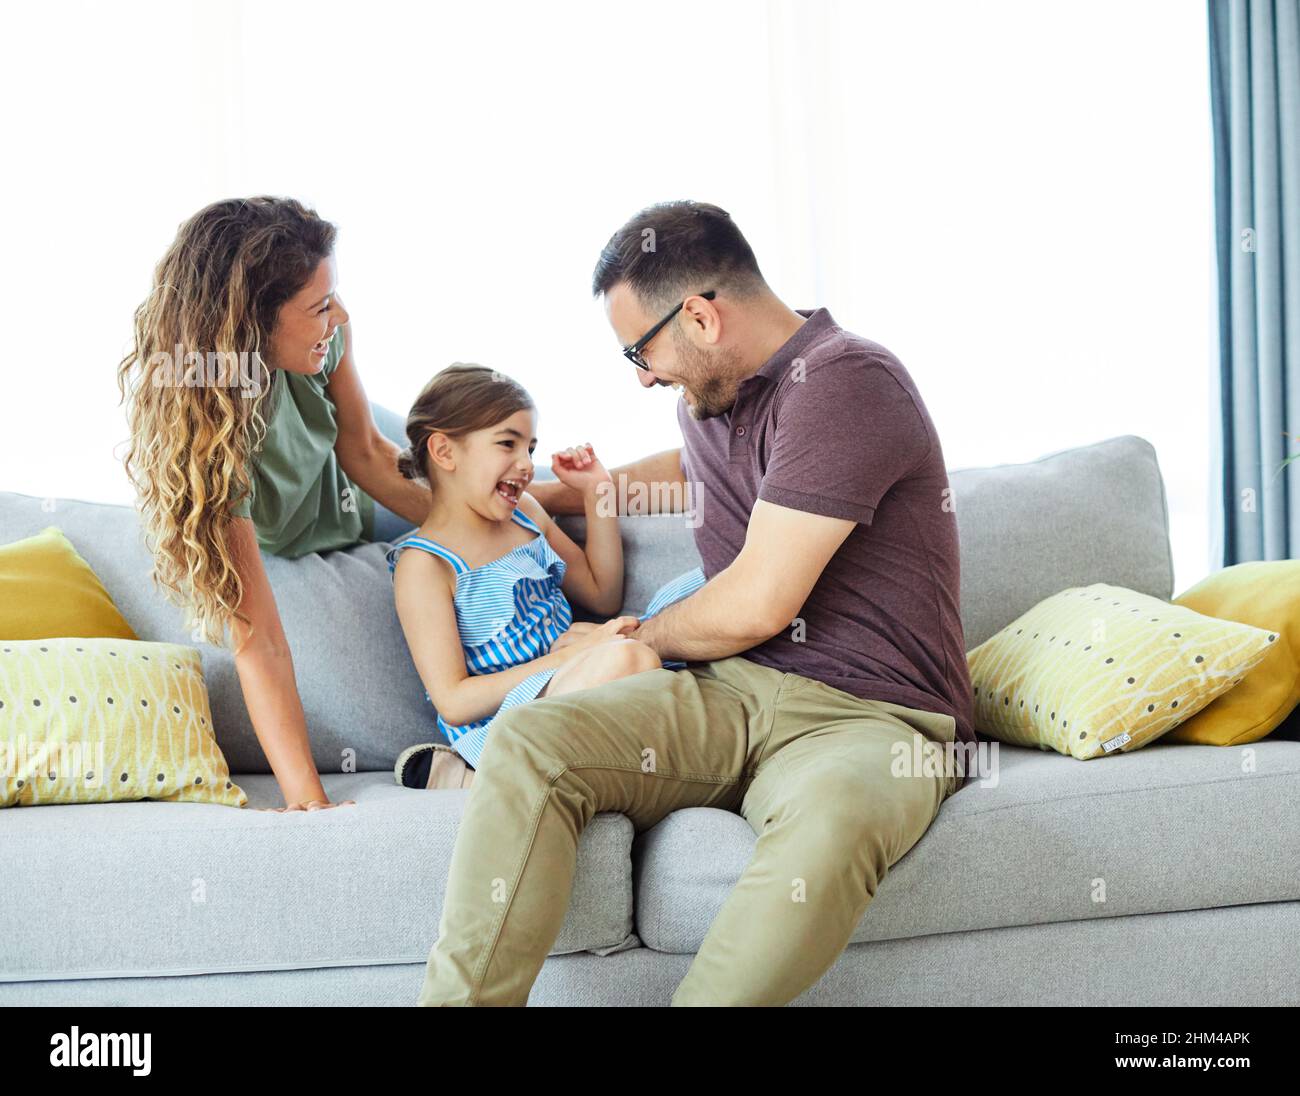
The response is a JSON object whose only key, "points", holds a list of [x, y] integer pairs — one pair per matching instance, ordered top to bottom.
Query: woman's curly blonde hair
{"points": [[218, 290]]}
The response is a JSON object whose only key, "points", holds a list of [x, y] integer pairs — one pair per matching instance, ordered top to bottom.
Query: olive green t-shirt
{"points": [[302, 500]]}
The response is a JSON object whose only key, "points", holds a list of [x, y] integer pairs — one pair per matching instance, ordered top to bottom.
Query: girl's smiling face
{"points": [[307, 321], [489, 468]]}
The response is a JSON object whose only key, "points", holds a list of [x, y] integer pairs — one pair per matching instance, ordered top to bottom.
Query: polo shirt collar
{"points": [[818, 323]]}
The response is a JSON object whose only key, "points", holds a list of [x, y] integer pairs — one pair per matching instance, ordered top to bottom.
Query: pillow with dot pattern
{"points": [[1099, 669], [93, 720]]}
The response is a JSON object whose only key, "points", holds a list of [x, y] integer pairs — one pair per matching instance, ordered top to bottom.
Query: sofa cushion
{"points": [[1096, 513], [1093, 514], [657, 548], [362, 696], [363, 699], [1154, 831], [185, 888]]}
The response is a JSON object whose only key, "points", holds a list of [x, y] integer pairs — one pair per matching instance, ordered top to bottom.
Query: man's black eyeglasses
{"points": [[633, 352]]}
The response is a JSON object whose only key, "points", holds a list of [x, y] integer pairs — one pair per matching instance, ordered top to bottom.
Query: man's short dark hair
{"points": [[673, 249]]}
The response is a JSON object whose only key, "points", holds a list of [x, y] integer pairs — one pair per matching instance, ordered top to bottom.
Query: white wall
{"points": [[1013, 197]]}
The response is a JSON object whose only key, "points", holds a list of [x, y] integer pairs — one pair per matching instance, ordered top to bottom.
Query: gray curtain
{"points": [[1255, 102]]}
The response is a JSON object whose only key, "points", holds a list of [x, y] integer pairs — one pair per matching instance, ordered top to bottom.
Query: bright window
{"points": [[1013, 197]]}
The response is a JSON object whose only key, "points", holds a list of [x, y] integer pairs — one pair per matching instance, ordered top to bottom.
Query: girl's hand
{"points": [[579, 469], [602, 633], [568, 638]]}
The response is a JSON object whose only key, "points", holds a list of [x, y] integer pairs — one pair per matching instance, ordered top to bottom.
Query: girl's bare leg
{"points": [[607, 662], [449, 770]]}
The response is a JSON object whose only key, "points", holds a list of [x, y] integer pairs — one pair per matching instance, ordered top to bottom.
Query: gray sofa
{"points": [[172, 904]]}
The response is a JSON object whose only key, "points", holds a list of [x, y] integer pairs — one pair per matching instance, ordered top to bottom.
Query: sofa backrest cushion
{"points": [[1096, 513], [1093, 514]]}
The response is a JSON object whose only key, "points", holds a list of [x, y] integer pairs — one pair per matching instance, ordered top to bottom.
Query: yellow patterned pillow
{"points": [[1099, 668], [91, 720]]}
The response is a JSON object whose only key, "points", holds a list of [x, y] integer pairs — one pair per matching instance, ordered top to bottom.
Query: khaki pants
{"points": [[809, 766]]}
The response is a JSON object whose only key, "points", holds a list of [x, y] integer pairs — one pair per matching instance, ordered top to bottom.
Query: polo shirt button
{"points": [[740, 431]]}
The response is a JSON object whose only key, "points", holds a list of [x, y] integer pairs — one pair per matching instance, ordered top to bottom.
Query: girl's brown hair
{"points": [[218, 290], [458, 400]]}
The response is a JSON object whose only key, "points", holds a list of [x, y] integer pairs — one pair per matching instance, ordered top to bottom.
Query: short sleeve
{"points": [[846, 432], [243, 508]]}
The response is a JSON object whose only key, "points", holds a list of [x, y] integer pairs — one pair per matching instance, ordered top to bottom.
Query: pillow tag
{"points": [[1113, 744]]}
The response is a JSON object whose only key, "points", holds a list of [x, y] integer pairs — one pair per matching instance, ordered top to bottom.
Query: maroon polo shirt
{"points": [[832, 424]]}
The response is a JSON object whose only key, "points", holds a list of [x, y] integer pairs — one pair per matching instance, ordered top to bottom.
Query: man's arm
{"points": [[656, 482], [758, 595]]}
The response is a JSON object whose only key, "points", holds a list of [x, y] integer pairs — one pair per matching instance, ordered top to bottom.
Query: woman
{"points": [[261, 436]]}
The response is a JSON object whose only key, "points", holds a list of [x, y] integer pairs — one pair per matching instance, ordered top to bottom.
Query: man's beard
{"points": [[710, 378]]}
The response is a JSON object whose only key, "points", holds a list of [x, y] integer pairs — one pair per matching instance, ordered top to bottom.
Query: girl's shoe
{"points": [[432, 765]]}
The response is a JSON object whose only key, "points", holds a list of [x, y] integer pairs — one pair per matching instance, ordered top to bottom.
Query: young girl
{"points": [[482, 600]]}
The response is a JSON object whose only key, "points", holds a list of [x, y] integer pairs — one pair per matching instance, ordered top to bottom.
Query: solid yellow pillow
{"points": [[47, 590], [1266, 595], [1099, 668], [91, 720]]}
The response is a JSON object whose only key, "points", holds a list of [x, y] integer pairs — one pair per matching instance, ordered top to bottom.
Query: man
{"points": [[825, 652]]}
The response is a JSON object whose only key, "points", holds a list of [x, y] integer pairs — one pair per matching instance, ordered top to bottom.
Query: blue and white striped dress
{"points": [[511, 611]]}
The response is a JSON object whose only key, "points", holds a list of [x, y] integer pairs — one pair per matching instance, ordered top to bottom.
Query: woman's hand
{"points": [[578, 468], [310, 805]]}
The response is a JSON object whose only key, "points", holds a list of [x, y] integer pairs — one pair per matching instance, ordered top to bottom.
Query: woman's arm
{"points": [[367, 457], [426, 608], [265, 667]]}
